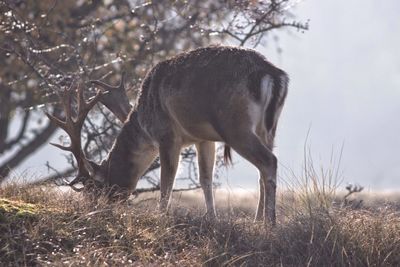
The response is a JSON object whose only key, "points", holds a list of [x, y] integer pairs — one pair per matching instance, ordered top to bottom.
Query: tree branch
{"points": [[21, 134], [26, 150], [53, 178]]}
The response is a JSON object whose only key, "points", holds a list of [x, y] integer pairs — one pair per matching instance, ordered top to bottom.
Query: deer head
{"points": [[113, 97]]}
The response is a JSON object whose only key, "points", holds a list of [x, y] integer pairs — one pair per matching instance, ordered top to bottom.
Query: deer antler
{"points": [[115, 98], [72, 125]]}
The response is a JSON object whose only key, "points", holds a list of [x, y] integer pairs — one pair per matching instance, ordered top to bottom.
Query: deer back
{"points": [[204, 93]]}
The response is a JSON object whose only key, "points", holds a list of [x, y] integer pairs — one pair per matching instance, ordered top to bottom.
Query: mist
{"points": [[344, 93]]}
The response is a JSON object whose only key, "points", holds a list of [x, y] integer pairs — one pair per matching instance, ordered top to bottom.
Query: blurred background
{"points": [[342, 56], [344, 91]]}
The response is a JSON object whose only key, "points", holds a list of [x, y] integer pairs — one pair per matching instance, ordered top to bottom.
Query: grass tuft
{"points": [[48, 226]]}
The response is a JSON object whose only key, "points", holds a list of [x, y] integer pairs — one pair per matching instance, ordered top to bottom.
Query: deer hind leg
{"points": [[265, 140], [249, 146], [169, 159], [206, 160], [261, 200]]}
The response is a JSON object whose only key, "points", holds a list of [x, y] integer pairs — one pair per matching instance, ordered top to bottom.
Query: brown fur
{"points": [[199, 97]]}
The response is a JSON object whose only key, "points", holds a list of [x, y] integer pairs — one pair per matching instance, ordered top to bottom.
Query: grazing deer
{"points": [[213, 94]]}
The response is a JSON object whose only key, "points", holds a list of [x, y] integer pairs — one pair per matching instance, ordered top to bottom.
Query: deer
{"points": [[207, 95]]}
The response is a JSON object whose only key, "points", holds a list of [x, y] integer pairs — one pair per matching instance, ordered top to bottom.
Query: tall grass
{"points": [[44, 225]]}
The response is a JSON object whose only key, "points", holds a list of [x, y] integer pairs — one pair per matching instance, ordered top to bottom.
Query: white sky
{"points": [[345, 88]]}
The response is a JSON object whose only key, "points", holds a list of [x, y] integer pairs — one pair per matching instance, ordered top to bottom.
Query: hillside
{"points": [[43, 226]]}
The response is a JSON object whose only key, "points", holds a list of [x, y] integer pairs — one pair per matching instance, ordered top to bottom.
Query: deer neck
{"points": [[131, 155]]}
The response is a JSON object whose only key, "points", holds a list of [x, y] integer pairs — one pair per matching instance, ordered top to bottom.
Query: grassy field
{"points": [[45, 226]]}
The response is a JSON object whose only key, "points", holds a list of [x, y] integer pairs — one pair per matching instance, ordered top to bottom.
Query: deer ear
{"points": [[115, 98]]}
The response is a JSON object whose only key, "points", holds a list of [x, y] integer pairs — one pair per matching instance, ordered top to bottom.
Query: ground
{"points": [[42, 226]]}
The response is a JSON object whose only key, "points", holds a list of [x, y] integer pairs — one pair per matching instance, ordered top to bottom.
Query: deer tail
{"points": [[227, 155]]}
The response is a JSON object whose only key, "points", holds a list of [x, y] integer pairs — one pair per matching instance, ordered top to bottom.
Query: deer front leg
{"points": [[169, 159], [206, 159]]}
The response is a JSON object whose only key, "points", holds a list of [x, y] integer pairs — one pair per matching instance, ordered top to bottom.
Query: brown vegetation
{"points": [[45, 226]]}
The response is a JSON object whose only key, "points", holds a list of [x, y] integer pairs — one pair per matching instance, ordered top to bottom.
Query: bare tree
{"points": [[45, 45]]}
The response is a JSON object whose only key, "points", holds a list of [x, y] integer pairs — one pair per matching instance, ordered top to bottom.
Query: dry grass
{"points": [[43, 226]]}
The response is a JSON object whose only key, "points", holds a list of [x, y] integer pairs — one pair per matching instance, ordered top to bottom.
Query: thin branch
{"points": [[21, 134], [26, 150], [157, 188]]}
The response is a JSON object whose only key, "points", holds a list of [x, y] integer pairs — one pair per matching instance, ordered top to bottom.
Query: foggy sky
{"points": [[345, 88]]}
